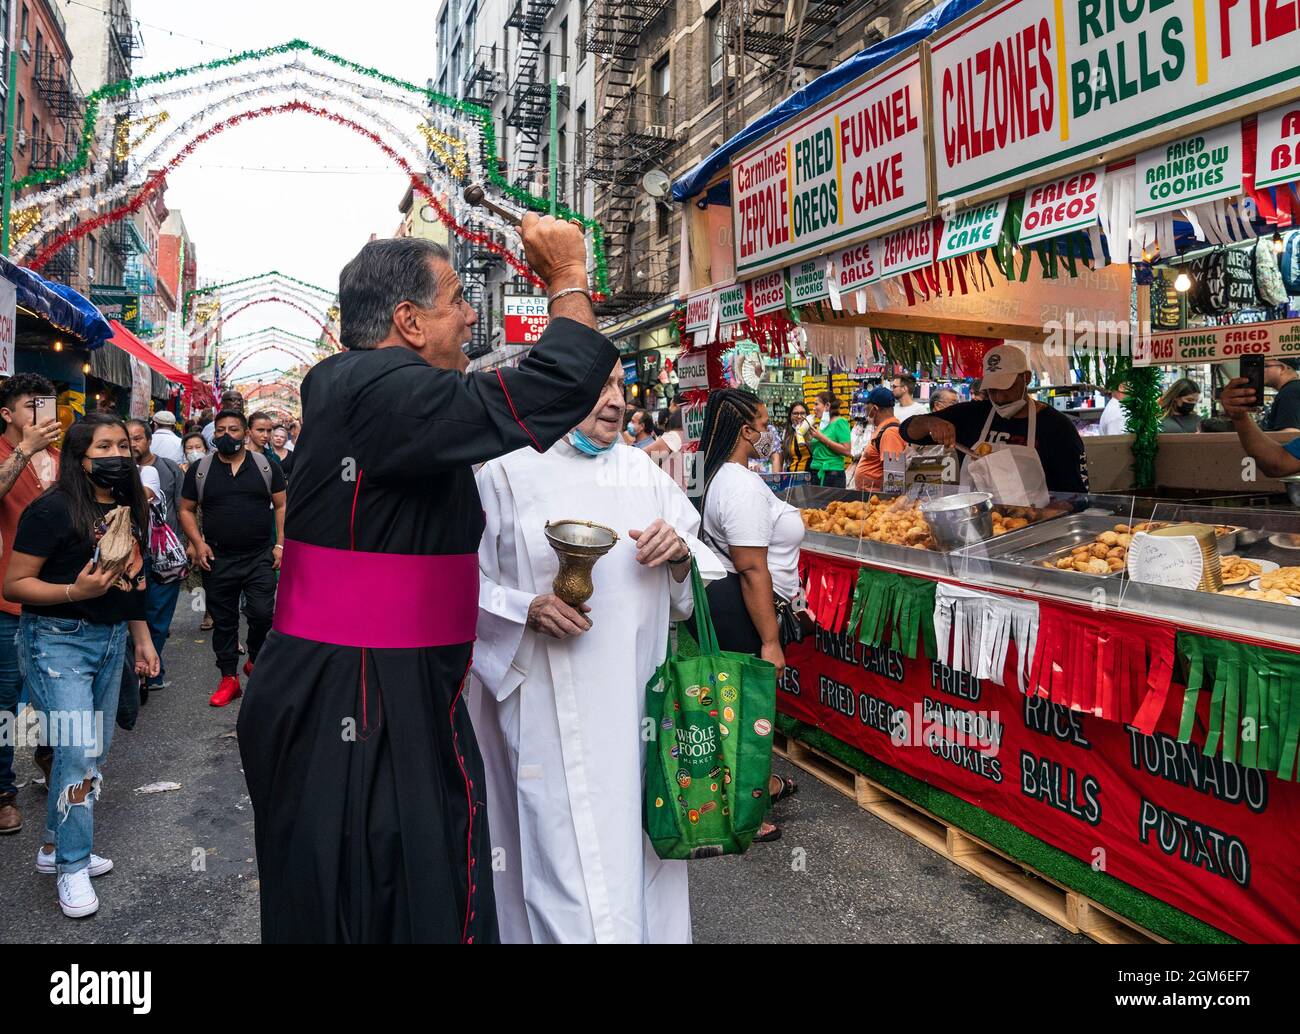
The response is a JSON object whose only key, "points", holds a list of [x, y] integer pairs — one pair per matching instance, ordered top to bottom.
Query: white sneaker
{"points": [[46, 866], [76, 895]]}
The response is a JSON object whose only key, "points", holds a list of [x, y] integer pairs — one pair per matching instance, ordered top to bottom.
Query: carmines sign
{"points": [[1023, 87], [855, 167], [1209, 837]]}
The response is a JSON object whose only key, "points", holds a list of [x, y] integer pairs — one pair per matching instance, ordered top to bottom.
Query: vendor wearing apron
{"points": [[1032, 449]]}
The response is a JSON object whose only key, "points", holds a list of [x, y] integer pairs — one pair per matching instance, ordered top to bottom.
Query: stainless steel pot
{"points": [[960, 520]]}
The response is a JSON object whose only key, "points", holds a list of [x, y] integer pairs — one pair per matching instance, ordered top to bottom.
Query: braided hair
{"points": [[727, 412]]}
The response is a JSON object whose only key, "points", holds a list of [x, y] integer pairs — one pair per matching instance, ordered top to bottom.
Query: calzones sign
{"points": [[1020, 88], [857, 165], [8, 326]]}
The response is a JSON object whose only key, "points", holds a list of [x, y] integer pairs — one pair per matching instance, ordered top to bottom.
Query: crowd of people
{"points": [[98, 536], [413, 679]]}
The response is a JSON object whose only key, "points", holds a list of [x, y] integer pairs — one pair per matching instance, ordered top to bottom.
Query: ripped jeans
{"points": [[73, 671]]}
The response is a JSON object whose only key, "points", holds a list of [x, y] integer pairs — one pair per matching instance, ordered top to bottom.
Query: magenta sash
{"points": [[380, 600]]}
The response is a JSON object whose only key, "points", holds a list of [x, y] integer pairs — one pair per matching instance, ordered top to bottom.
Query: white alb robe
{"points": [[559, 722]]}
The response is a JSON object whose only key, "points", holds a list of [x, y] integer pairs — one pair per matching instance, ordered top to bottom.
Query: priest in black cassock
{"points": [[365, 777]]}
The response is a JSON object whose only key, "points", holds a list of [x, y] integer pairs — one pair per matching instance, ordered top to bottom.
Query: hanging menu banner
{"points": [[1021, 88], [1277, 146], [855, 165], [1192, 171], [1070, 203], [972, 229], [908, 249], [859, 265], [808, 282], [768, 292], [731, 304], [699, 312], [1213, 344], [692, 370]]}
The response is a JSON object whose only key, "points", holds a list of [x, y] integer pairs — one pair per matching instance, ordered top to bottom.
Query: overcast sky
{"points": [[304, 222]]}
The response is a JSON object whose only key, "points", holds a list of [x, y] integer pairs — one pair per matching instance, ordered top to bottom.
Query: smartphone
{"points": [[1252, 368], [44, 407]]}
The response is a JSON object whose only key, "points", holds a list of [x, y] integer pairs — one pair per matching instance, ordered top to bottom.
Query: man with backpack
{"points": [[237, 549], [163, 578]]}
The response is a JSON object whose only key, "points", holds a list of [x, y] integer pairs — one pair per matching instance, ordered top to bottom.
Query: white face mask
{"points": [[1011, 409], [194, 455]]}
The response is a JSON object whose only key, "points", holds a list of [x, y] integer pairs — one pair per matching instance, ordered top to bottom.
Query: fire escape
{"points": [[781, 37], [482, 83], [528, 109], [633, 131]]}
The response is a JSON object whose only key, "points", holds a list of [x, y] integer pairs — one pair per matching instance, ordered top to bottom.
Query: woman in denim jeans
{"points": [[72, 635]]}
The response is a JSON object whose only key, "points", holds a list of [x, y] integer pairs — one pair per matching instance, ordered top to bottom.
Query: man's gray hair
{"points": [[384, 274]]}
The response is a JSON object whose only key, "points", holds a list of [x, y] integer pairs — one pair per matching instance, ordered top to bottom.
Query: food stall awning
{"points": [[817, 91], [57, 304], [132, 345]]}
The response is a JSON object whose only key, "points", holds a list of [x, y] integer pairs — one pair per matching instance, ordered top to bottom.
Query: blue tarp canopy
{"points": [[817, 91], [69, 312]]}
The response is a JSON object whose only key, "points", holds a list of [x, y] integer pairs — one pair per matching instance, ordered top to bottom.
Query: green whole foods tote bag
{"points": [[710, 758]]}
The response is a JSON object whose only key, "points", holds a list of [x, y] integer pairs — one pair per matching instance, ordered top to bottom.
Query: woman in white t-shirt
{"points": [[755, 535]]}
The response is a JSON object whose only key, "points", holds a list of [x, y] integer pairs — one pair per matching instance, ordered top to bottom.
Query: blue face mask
{"points": [[585, 445]]}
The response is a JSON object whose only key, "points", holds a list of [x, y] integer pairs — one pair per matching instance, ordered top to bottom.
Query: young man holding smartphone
{"points": [[28, 466]]}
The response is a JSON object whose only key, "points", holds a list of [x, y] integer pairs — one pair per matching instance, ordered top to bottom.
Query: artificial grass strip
{"points": [[1119, 897]]}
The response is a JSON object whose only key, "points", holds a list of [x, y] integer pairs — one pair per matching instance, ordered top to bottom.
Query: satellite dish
{"points": [[656, 183]]}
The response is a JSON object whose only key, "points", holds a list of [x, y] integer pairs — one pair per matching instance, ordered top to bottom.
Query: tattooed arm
{"points": [[36, 438]]}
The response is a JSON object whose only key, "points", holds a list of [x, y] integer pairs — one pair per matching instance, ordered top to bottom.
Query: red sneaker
{"points": [[248, 667], [226, 692]]}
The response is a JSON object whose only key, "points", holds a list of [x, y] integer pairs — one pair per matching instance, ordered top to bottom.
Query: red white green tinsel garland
{"points": [[449, 120]]}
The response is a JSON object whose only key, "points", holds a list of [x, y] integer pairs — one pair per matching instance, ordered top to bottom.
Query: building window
{"points": [[582, 30], [23, 32], [40, 45], [564, 45], [717, 51], [546, 64], [661, 84], [22, 115], [580, 146], [561, 171], [662, 213]]}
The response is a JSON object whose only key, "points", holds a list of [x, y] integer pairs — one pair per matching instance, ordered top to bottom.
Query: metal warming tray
{"points": [[1046, 540]]}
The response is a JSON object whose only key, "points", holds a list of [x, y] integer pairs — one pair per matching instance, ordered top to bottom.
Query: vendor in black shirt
{"points": [[1283, 377], [1006, 385], [238, 548], [79, 606]]}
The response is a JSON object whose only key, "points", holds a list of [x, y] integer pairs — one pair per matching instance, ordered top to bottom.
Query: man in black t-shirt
{"points": [[1282, 376], [1006, 385], [238, 548]]}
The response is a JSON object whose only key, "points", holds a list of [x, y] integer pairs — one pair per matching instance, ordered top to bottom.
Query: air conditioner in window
{"points": [[26, 49], [715, 72], [499, 81], [22, 139]]}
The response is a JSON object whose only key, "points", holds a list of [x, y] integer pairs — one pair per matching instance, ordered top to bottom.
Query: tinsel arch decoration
{"points": [[451, 120], [157, 177], [272, 279], [267, 300], [232, 365]]}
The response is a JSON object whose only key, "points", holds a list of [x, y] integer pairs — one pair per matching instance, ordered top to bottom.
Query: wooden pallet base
{"points": [[1065, 907]]}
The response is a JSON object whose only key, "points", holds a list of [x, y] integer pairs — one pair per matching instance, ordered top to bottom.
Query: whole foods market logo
{"points": [[697, 743]]}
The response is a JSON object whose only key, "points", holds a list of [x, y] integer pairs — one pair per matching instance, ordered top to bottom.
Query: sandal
{"points": [[788, 789], [773, 832]]}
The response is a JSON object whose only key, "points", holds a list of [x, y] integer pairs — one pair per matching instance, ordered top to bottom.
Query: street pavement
{"points": [[184, 870]]}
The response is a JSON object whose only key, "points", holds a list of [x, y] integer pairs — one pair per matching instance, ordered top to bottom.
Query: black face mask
{"points": [[1187, 408], [226, 445], [112, 472]]}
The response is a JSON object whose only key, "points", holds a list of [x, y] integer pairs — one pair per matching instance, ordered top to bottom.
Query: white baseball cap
{"points": [[1002, 365]]}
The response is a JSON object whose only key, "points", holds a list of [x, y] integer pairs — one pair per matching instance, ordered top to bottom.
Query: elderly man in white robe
{"points": [[558, 697]]}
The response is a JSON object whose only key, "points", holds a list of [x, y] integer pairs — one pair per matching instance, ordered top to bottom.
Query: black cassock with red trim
{"points": [[365, 777]]}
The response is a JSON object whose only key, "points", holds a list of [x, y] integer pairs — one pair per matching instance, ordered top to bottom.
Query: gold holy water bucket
{"points": [[578, 544]]}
